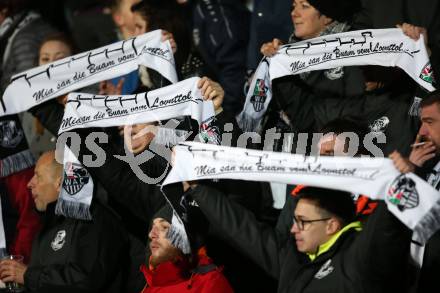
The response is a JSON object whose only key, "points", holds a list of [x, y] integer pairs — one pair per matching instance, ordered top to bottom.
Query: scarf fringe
{"points": [[414, 110], [248, 124], [170, 137], [16, 162], [75, 210], [428, 223], [177, 235]]}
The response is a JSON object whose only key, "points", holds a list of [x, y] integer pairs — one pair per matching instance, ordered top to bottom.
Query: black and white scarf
{"points": [[384, 47], [37, 85], [181, 99], [85, 111], [14, 150], [76, 192], [407, 196], [417, 248]]}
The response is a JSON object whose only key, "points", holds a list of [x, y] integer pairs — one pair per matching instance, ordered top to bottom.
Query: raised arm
{"points": [[240, 227]]}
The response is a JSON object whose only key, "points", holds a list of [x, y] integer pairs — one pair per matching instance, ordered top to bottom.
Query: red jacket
{"points": [[28, 223], [172, 277]]}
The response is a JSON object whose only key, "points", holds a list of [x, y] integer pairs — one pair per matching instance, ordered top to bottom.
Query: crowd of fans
{"points": [[244, 236]]}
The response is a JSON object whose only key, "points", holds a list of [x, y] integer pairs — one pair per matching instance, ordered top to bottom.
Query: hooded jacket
{"points": [[177, 277]]}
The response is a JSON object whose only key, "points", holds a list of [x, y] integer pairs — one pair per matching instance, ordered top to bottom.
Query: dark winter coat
{"points": [[71, 255], [364, 261]]}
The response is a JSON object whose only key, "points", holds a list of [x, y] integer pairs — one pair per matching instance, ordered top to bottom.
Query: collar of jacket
{"points": [[428, 167], [49, 214], [326, 246], [171, 273], [166, 274]]}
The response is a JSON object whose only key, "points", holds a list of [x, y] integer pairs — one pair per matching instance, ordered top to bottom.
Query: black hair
{"points": [[113, 4], [340, 10], [169, 16], [60, 37], [430, 99], [336, 202]]}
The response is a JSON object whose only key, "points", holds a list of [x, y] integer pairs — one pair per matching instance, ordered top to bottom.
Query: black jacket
{"points": [[297, 97], [384, 110], [428, 169], [142, 200], [132, 201], [72, 255], [431, 259], [366, 261]]}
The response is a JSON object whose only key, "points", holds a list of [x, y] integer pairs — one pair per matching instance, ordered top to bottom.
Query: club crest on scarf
{"points": [[427, 73], [259, 97], [209, 133], [11, 135], [75, 177], [403, 193]]}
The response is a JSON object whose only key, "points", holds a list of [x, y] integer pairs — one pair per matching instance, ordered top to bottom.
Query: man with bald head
{"points": [[46, 183], [69, 255]]}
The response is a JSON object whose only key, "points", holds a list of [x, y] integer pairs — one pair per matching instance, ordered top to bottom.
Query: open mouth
{"points": [[154, 246]]}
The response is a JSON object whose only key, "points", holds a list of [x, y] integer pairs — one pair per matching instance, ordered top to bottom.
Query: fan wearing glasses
{"points": [[321, 217], [328, 249]]}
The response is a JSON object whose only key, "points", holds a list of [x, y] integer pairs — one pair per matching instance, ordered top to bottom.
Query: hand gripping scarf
{"points": [[384, 47], [37, 85], [85, 111], [407, 196]]}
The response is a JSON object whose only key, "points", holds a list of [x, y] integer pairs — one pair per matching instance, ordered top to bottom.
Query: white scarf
{"points": [[384, 47], [45, 82], [182, 98], [85, 111], [77, 189], [408, 197]]}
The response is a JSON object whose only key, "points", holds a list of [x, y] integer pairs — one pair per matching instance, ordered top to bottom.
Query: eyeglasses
{"points": [[300, 223]]}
